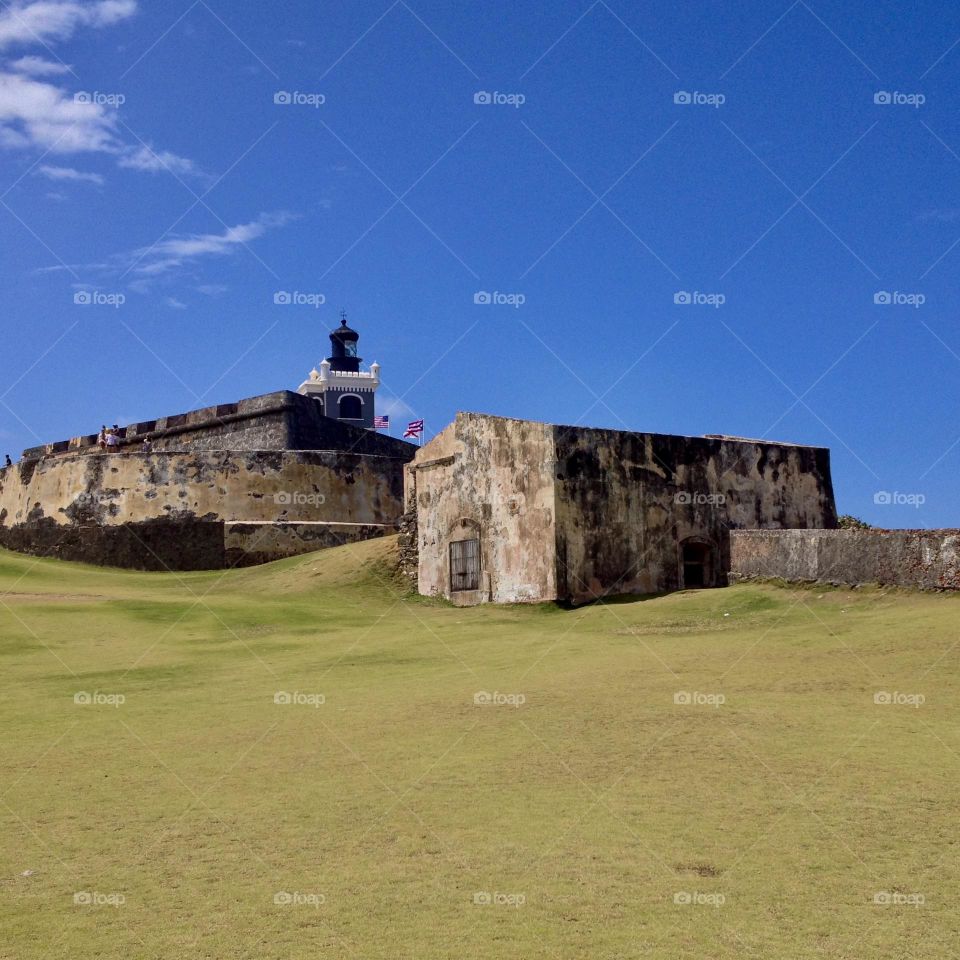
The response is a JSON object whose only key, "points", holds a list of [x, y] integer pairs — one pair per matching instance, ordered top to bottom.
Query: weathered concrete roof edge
{"points": [[645, 433]]}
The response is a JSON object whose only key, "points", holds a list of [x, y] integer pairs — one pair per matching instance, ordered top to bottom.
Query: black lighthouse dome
{"points": [[343, 355]]}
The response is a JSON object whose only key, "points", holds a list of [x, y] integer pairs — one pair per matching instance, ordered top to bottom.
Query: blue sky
{"points": [[782, 198]]}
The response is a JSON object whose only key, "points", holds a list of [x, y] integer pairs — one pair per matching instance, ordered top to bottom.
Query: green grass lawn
{"points": [[598, 816]]}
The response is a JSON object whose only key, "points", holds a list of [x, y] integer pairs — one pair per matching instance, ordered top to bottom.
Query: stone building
{"points": [[516, 511]]}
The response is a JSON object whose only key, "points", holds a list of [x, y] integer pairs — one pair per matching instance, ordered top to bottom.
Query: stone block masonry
{"points": [[186, 544], [922, 559]]}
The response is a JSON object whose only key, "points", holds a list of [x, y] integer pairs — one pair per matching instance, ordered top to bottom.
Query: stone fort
{"points": [[490, 510]]}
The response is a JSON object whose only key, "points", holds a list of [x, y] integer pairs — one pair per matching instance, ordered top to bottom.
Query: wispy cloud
{"points": [[45, 20], [39, 67], [154, 161], [67, 173], [173, 252], [163, 261], [175, 303]]}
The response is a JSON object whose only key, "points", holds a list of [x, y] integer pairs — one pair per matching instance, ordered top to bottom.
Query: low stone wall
{"points": [[185, 544], [247, 544], [152, 545], [924, 559]]}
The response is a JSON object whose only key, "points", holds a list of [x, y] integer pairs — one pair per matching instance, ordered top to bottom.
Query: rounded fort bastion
{"points": [[196, 509]]}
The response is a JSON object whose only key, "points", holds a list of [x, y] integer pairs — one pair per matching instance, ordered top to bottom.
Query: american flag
{"points": [[381, 423], [414, 429]]}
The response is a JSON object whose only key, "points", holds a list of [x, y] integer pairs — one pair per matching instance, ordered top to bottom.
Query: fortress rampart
{"points": [[206, 508]]}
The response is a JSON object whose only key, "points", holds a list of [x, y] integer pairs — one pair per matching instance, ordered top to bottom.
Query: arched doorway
{"points": [[465, 564], [697, 564]]}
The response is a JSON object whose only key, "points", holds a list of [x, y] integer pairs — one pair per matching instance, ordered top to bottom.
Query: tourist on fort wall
{"points": [[102, 437], [113, 440], [146, 446], [9, 462]]}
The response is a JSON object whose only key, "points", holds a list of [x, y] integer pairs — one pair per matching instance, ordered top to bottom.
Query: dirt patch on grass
{"points": [[700, 869]]}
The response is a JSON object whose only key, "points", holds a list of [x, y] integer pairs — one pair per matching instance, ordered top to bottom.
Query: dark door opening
{"points": [[465, 565], [696, 565]]}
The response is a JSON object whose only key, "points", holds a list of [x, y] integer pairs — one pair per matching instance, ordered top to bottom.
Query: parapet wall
{"points": [[283, 420], [924, 559]]}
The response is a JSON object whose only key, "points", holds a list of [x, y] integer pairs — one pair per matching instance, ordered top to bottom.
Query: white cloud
{"points": [[46, 20], [38, 67], [43, 115], [146, 158], [68, 173], [172, 252], [70, 267], [156, 267], [143, 269], [175, 303], [393, 406]]}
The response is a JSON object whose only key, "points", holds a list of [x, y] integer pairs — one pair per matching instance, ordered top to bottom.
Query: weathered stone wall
{"points": [[490, 478], [300, 485], [626, 502], [72, 505], [186, 544], [924, 559]]}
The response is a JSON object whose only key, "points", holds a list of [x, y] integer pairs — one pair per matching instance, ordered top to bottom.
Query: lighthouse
{"points": [[344, 391]]}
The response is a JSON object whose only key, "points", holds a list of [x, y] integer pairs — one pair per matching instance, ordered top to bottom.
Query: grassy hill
{"points": [[382, 812]]}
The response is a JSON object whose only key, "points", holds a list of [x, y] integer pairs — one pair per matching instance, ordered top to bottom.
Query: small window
{"points": [[351, 408], [465, 565]]}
